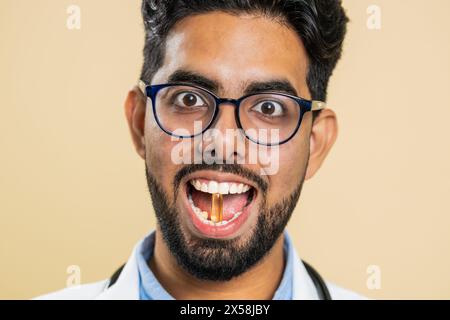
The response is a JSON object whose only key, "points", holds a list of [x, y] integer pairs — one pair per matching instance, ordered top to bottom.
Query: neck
{"points": [[249, 285]]}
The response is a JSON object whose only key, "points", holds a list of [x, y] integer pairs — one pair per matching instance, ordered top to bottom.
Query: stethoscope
{"points": [[319, 283]]}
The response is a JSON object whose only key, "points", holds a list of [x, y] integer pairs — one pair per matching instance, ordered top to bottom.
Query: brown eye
{"points": [[189, 100], [269, 108]]}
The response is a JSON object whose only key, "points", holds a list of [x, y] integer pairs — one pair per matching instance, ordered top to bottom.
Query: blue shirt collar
{"points": [[151, 289]]}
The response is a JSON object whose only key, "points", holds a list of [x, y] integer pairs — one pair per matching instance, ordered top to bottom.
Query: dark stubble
{"points": [[219, 259]]}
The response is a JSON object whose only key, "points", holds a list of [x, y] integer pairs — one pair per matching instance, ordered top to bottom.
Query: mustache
{"points": [[227, 168]]}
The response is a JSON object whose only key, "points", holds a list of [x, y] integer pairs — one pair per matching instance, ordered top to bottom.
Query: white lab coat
{"points": [[127, 285]]}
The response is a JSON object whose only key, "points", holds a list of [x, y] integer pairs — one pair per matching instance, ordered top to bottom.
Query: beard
{"points": [[220, 259]]}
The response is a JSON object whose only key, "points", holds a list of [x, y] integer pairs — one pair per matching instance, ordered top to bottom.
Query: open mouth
{"points": [[236, 199]]}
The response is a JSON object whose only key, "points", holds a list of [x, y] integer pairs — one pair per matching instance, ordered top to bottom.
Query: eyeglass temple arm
{"points": [[317, 105]]}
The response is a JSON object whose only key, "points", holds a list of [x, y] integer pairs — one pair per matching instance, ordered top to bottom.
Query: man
{"points": [[261, 70]]}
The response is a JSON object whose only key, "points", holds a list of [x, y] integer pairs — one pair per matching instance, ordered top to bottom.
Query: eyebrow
{"points": [[190, 77], [194, 78], [271, 85]]}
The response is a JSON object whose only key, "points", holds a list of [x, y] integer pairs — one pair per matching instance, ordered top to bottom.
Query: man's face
{"points": [[234, 52]]}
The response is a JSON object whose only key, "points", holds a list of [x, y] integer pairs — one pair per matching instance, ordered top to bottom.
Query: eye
{"points": [[189, 100], [269, 108]]}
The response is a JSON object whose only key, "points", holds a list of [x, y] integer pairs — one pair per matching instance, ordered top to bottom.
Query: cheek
{"points": [[158, 157], [293, 159]]}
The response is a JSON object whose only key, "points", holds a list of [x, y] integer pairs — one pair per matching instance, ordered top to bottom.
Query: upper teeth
{"points": [[220, 187]]}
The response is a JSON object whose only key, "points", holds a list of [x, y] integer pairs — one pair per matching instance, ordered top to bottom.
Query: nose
{"points": [[223, 139]]}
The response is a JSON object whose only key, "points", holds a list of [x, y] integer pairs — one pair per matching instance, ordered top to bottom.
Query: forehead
{"points": [[235, 50]]}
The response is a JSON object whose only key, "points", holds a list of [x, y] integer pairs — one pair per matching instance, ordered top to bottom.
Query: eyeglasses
{"points": [[269, 118]]}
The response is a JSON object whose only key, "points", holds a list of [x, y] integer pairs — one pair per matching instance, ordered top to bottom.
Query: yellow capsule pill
{"points": [[216, 207]]}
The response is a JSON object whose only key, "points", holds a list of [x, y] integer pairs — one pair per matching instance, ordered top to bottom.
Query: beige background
{"points": [[73, 191]]}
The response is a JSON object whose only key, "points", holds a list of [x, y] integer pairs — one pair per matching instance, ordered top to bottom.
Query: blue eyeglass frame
{"points": [[305, 105]]}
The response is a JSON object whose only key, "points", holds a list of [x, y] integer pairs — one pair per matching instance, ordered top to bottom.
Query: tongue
{"points": [[232, 203]]}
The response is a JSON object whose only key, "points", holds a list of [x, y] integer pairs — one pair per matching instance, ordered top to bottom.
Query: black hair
{"points": [[321, 25]]}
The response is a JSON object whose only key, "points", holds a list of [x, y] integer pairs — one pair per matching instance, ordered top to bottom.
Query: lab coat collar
{"points": [[127, 285]]}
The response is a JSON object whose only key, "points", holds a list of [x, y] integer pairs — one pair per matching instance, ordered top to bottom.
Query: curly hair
{"points": [[321, 25]]}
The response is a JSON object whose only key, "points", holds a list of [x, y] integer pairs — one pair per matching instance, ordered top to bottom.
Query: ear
{"points": [[135, 106], [323, 135]]}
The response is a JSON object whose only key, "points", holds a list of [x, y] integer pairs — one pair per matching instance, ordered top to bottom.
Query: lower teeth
{"points": [[203, 215]]}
